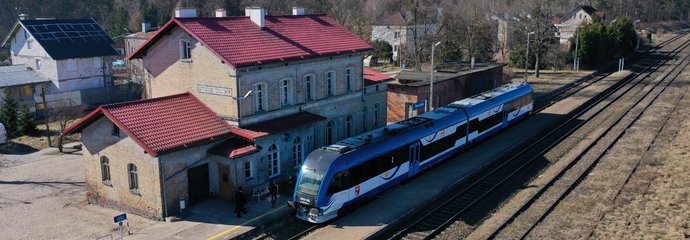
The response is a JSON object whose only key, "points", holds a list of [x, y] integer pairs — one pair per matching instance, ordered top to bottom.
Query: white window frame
{"points": [[29, 44], [185, 50], [350, 78], [331, 84], [309, 87], [286, 92], [260, 99], [297, 152], [273, 161], [250, 169], [105, 170], [133, 176]]}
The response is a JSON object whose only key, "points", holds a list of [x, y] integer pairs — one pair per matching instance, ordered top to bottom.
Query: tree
{"points": [[600, 42], [382, 50], [8, 113], [65, 116], [25, 121]]}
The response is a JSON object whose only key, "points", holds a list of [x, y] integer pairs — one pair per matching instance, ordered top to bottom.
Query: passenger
{"points": [[273, 190], [240, 202]]}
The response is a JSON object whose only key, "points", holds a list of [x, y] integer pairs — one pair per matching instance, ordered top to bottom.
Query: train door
{"points": [[414, 158]]}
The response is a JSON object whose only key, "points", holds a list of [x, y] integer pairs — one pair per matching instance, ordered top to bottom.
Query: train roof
{"points": [[383, 133]]}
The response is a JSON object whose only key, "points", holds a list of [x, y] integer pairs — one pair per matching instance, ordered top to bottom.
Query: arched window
{"points": [[350, 79], [309, 88], [331, 89], [285, 92], [259, 97], [376, 115], [349, 126], [329, 133], [297, 152], [273, 161], [105, 169], [133, 177]]}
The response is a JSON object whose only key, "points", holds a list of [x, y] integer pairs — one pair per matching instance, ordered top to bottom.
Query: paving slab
{"points": [[403, 199]]}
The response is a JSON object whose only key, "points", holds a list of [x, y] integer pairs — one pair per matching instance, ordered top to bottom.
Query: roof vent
{"points": [[297, 11], [185, 12], [221, 12], [257, 15], [23, 16]]}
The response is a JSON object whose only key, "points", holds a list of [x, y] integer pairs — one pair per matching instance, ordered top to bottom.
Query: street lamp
{"points": [[637, 36], [527, 55], [431, 95], [239, 108]]}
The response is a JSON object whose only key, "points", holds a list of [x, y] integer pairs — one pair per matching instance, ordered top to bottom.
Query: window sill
{"points": [[186, 60], [274, 177], [249, 179], [107, 183], [135, 192]]}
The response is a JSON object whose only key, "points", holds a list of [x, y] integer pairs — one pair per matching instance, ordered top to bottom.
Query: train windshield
{"points": [[310, 181]]}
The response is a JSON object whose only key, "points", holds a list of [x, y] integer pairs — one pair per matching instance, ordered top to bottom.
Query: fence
{"points": [[93, 97]]}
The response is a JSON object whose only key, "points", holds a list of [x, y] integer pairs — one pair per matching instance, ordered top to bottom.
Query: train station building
{"points": [[272, 89]]}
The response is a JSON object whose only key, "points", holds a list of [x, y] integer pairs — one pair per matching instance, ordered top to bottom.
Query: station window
{"points": [[273, 161], [105, 169], [133, 177]]}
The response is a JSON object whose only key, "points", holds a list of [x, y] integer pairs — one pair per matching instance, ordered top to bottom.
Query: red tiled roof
{"points": [[396, 19], [239, 42], [372, 77], [283, 124], [162, 125], [246, 133], [234, 148]]}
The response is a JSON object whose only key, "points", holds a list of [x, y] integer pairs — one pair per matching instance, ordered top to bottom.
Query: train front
{"points": [[310, 182]]}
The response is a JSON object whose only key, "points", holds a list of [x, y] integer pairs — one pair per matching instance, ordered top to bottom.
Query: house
{"points": [[566, 27], [400, 34], [503, 35], [132, 43], [73, 54], [23, 84], [283, 85], [413, 87], [144, 156]]}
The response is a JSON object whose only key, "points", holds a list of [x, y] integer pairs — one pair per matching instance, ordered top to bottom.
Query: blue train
{"points": [[359, 167]]}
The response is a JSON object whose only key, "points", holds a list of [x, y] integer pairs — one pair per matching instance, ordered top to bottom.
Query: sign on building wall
{"points": [[214, 90]]}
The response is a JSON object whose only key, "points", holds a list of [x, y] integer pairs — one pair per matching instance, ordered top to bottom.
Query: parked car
{"points": [[3, 134]]}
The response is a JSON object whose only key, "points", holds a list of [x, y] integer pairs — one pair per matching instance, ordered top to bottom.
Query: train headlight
{"points": [[314, 212]]}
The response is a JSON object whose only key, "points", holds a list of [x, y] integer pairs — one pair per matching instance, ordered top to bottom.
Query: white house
{"points": [[566, 27], [397, 32], [73, 54]]}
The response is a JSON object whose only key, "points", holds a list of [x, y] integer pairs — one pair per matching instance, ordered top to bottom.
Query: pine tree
{"points": [[8, 113], [25, 121]]}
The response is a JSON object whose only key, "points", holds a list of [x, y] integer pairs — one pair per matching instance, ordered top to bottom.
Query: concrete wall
{"points": [[98, 141]]}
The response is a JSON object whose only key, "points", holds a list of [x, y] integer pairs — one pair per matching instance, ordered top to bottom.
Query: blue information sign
{"points": [[419, 105], [120, 218]]}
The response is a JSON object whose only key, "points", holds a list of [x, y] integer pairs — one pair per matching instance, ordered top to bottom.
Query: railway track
{"points": [[572, 174], [468, 203], [293, 229]]}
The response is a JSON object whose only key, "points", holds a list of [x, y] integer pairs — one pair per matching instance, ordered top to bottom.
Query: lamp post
{"points": [[637, 36], [527, 55], [431, 79], [239, 109]]}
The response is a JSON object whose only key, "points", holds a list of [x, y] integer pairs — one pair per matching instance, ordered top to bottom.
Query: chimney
{"points": [[297, 11], [185, 12], [221, 13], [257, 15], [23, 16], [145, 27]]}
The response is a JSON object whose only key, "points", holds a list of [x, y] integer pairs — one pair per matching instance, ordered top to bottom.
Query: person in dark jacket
{"points": [[273, 190], [240, 202]]}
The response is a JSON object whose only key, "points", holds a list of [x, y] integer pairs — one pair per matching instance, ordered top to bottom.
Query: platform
{"points": [[404, 199]]}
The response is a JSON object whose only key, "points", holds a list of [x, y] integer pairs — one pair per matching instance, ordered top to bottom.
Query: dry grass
{"points": [[38, 140]]}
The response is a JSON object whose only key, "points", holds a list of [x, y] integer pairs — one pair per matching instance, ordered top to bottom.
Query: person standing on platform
{"points": [[273, 190], [240, 202]]}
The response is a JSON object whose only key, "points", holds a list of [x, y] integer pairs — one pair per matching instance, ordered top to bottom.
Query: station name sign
{"points": [[214, 90]]}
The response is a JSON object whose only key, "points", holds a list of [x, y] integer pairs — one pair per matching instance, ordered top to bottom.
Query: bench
{"points": [[260, 191]]}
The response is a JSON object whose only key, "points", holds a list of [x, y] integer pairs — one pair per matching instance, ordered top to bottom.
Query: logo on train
{"points": [[357, 190]]}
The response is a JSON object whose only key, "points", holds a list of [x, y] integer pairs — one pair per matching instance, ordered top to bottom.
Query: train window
{"points": [[461, 131], [340, 182]]}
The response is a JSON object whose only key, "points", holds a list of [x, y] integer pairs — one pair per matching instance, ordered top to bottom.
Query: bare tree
{"points": [[65, 116]]}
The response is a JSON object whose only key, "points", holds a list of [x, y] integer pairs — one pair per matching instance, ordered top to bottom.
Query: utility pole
{"points": [[577, 54], [527, 55], [431, 79], [45, 113]]}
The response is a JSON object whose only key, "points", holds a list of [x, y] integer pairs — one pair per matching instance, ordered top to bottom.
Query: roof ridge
{"points": [[113, 105]]}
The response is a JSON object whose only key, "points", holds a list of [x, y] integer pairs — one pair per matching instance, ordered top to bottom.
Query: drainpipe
{"points": [[165, 197]]}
